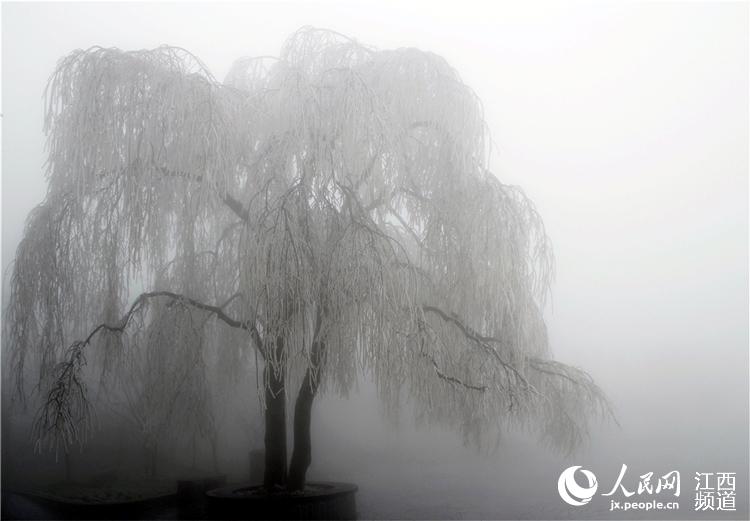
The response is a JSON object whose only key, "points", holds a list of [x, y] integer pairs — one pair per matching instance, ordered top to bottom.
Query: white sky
{"points": [[626, 123]]}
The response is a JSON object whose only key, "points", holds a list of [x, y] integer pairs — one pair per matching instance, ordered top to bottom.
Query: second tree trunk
{"points": [[302, 453]]}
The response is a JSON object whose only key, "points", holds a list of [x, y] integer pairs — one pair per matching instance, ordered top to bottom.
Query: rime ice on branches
{"points": [[328, 212]]}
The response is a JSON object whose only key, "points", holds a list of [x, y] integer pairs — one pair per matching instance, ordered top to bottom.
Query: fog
{"points": [[626, 124]]}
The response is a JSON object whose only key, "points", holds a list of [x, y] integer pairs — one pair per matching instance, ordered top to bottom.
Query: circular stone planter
{"points": [[320, 500], [140, 508]]}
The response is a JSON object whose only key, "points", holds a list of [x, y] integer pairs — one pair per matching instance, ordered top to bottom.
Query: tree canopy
{"points": [[336, 196]]}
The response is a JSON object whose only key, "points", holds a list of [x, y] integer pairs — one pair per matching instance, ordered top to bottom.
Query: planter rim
{"points": [[332, 489], [62, 500]]}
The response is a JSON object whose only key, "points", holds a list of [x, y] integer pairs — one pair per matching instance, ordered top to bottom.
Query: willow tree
{"points": [[329, 212]]}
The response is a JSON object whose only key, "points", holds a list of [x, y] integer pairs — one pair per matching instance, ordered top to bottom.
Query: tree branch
{"points": [[233, 204], [218, 311], [466, 330], [480, 340], [453, 379]]}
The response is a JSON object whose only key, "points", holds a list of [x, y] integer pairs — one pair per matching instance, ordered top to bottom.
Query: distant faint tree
{"points": [[334, 205]]}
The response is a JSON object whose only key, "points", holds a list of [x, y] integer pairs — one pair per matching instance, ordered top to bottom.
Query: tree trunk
{"points": [[275, 416], [302, 453]]}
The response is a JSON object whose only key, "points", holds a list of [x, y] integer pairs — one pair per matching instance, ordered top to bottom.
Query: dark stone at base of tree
{"points": [[320, 500]]}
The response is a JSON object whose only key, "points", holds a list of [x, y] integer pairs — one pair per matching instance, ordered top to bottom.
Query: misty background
{"points": [[626, 124]]}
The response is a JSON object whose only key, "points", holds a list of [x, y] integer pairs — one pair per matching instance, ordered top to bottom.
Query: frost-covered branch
{"points": [[141, 300], [479, 340], [454, 380], [65, 415]]}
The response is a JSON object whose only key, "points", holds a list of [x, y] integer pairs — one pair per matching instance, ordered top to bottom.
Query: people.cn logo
{"points": [[571, 492]]}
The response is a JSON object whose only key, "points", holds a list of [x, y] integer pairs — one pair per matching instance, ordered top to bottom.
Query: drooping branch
{"points": [[218, 311], [466, 330], [481, 341], [453, 379], [578, 379], [64, 414]]}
